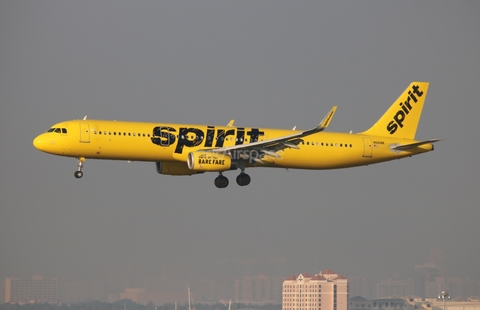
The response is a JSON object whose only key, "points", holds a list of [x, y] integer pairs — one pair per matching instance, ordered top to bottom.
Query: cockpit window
{"points": [[58, 130]]}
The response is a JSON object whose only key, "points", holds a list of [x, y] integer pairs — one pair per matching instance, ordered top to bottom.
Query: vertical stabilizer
{"points": [[401, 119]]}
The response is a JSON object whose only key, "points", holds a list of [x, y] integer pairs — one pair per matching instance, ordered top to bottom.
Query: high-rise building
{"points": [[437, 257], [425, 275], [358, 286], [460, 287], [258, 289], [33, 290], [324, 291]]}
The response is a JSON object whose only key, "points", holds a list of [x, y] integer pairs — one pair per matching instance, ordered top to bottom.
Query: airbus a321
{"points": [[186, 149]]}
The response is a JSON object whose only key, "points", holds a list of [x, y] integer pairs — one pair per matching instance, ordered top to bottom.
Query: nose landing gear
{"points": [[78, 174]]}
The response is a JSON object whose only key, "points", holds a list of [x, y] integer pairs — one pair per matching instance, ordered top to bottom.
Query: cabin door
{"points": [[84, 133], [367, 147]]}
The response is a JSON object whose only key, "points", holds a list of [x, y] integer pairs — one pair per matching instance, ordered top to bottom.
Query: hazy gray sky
{"points": [[263, 63]]}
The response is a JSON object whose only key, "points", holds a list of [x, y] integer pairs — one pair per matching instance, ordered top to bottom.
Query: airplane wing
{"points": [[272, 146], [402, 147]]}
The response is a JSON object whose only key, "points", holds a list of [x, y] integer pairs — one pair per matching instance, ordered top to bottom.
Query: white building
{"points": [[324, 291]]}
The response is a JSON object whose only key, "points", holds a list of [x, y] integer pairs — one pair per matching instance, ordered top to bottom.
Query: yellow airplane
{"points": [[185, 149]]}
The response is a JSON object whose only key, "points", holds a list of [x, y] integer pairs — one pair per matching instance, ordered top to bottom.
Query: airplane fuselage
{"points": [[136, 141]]}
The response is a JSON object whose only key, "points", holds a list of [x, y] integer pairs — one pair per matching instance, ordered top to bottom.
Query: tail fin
{"points": [[401, 119]]}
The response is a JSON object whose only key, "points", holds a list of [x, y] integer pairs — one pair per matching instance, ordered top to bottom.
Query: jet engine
{"points": [[208, 161], [174, 168]]}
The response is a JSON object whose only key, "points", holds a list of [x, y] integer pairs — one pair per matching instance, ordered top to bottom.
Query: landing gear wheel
{"points": [[78, 174], [243, 179], [221, 181]]}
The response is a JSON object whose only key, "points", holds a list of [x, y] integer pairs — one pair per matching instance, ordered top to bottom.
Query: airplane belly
{"points": [[323, 158]]}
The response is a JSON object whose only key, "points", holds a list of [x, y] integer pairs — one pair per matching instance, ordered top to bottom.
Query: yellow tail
{"points": [[401, 119]]}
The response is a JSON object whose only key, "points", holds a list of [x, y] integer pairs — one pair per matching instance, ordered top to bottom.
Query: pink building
{"points": [[324, 291]]}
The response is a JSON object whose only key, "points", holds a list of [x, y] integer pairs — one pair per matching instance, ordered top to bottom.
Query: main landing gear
{"points": [[78, 174], [243, 179]]}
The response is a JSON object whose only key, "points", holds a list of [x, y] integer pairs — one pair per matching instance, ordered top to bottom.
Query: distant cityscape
{"points": [[254, 288]]}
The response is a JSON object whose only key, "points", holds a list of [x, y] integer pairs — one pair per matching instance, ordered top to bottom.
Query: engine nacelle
{"points": [[208, 161], [174, 168]]}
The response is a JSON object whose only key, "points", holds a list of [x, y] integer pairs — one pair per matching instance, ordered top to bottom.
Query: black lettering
{"points": [[417, 91], [412, 96], [407, 104], [404, 108], [399, 118], [392, 127], [230, 132], [254, 133], [210, 135], [221, 135], [163, 136], [240, 136], [220, 138], [184, 141]]}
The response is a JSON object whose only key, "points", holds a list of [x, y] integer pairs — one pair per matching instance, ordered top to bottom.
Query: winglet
{"points": [[327, 119], [230, 124]]}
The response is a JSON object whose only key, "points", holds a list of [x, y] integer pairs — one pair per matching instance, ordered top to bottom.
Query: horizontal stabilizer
{"points": [[403, 147]]}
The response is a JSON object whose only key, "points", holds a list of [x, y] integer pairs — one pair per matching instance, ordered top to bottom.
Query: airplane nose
{"points": [[37, 143], [40, 143]]}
